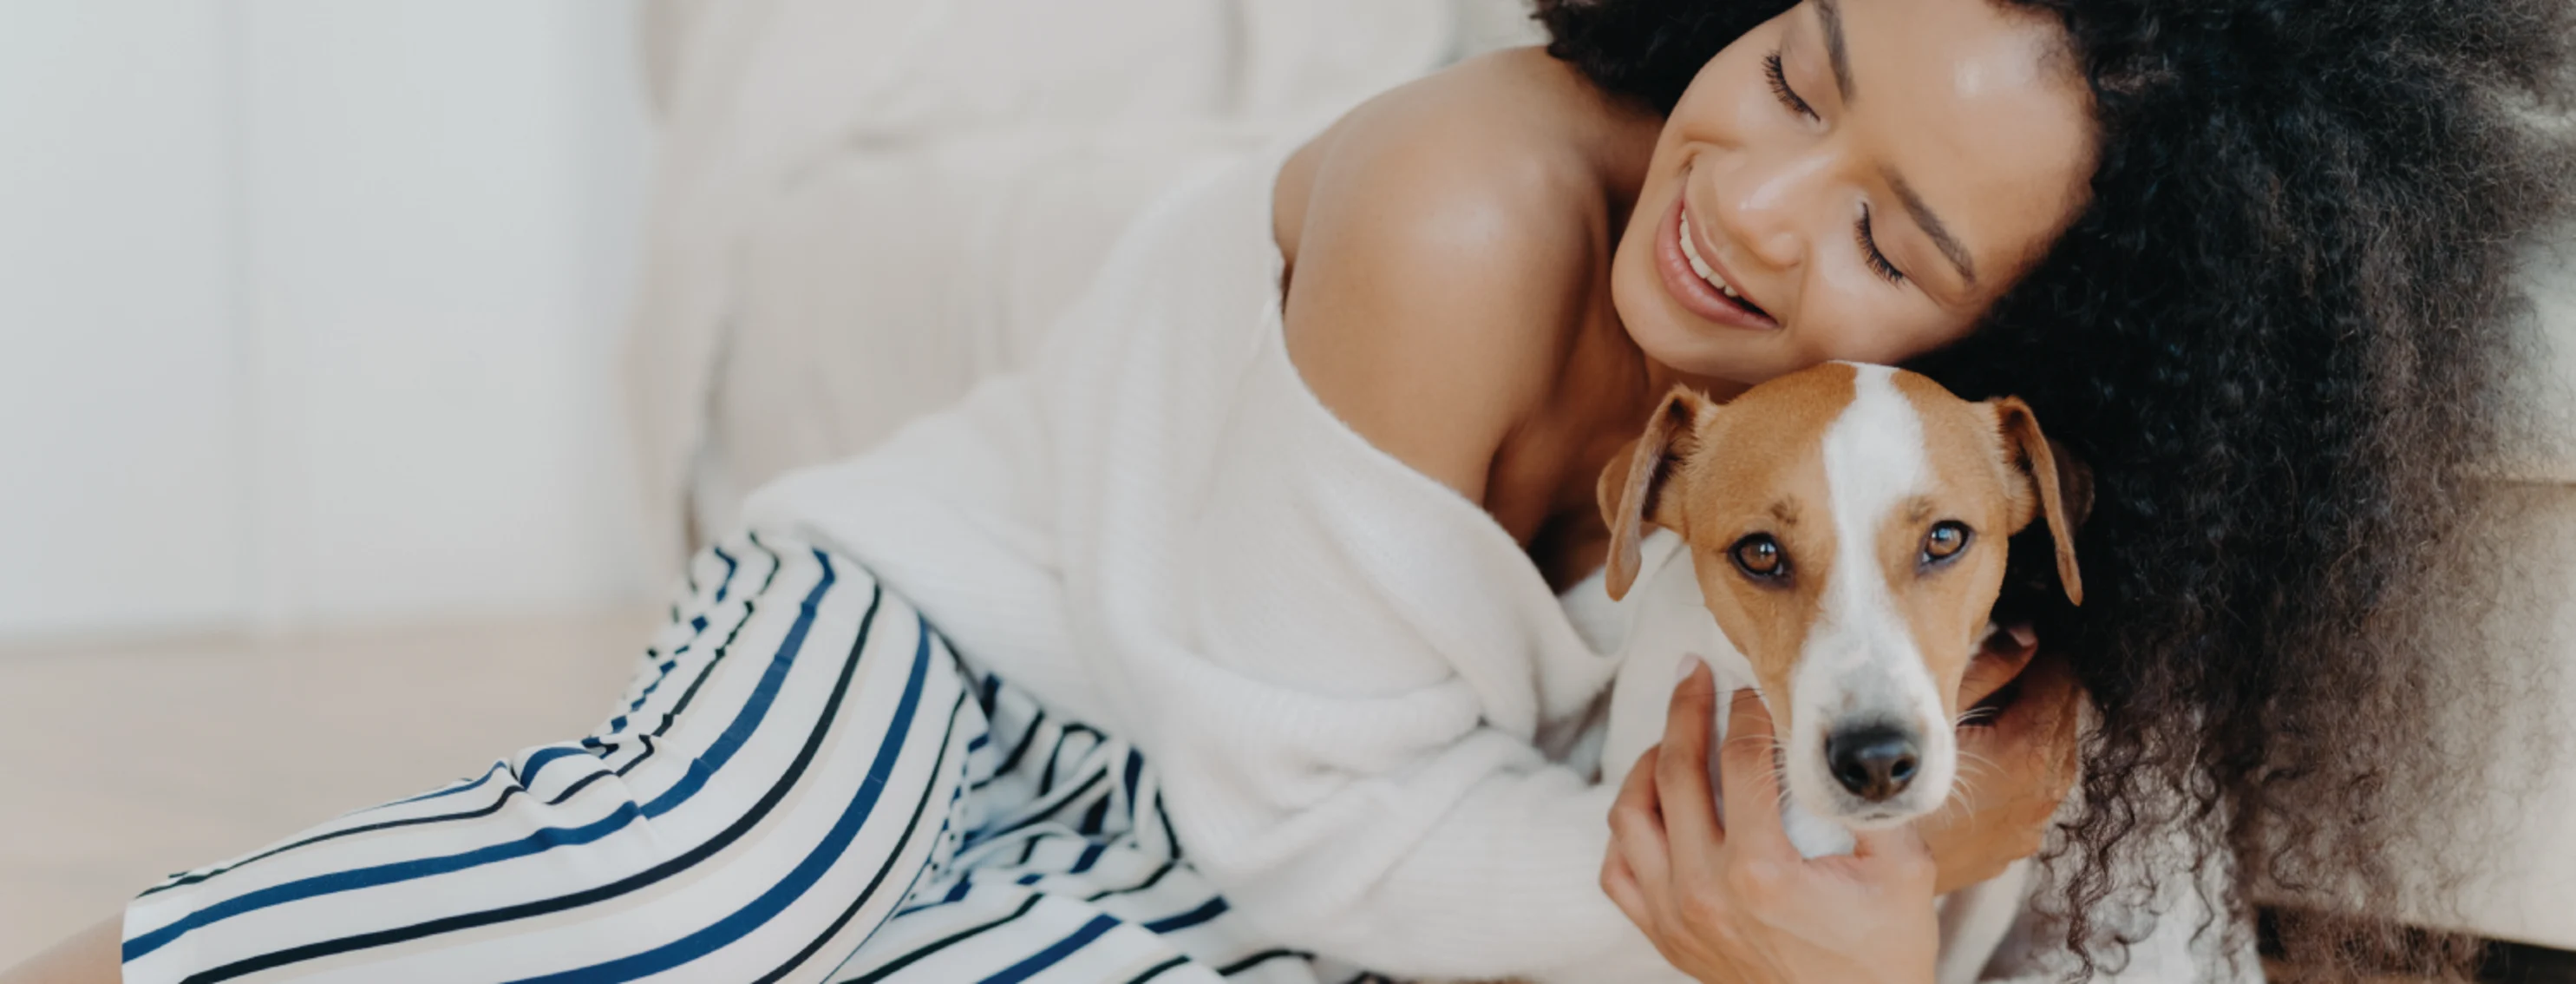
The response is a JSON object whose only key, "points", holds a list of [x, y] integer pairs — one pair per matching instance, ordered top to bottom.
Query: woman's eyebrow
{"points": [[1830, 13], [1931, 226]]}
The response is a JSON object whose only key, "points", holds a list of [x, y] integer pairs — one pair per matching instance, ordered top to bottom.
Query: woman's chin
{"points": [[1717, 355], [1707, 356]]}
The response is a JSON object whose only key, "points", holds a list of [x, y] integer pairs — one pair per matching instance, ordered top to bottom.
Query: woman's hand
{"points": [[2016, 761], [1734, 902]]}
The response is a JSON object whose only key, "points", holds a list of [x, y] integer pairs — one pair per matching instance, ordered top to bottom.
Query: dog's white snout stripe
{"points": [[1860, 665]]}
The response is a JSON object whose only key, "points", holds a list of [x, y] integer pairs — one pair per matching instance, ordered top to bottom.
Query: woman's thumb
{"points": [[1899, 847]]}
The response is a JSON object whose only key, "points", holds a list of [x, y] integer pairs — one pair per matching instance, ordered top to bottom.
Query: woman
{"points": [[2263, 415], [1263, 665]]}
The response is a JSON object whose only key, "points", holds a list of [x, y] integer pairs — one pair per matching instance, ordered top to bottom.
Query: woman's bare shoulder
{"points": [[1514, 124], [1445, 240]]}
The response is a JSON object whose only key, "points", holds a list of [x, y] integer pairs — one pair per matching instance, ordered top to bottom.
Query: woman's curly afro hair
{"points": [[2279, 332]]}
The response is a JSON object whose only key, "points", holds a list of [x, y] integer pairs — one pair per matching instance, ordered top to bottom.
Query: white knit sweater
{"points": [[1344, 671]]}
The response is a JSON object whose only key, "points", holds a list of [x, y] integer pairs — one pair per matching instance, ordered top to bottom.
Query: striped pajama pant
{"points": [[802, 784]]}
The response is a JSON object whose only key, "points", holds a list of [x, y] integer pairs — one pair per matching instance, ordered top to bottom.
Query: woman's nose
{"points": [[1761, 203]]}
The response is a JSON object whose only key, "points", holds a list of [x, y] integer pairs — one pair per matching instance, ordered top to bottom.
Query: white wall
{"points": [[445, 199], [309, 310], [120, 434]]}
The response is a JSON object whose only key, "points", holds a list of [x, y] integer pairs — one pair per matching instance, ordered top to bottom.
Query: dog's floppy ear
{"points": [[2074, 483], [2063, 486], [1635, 490]]}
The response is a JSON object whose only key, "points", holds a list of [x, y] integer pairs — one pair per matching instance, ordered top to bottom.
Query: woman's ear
{"points": [[1641, 484], [2064, 494]]}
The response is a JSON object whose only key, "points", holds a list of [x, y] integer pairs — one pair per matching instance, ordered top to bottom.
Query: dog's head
{"points": [[1848, 527]]}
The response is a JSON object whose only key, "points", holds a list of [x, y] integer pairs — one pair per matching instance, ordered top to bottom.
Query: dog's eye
{"points": [[1945, 541], [1759, 556]]}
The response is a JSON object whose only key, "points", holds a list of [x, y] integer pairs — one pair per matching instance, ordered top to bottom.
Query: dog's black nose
{"points": [[1873, 761]]}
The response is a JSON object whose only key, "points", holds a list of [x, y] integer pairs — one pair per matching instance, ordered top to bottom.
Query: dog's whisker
{"points": [[1751, 739], [1968, 758], [1967, 798], [1963, 799]]}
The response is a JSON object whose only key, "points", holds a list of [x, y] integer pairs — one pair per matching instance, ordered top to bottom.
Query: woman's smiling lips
{"points": [[1700, 294]]}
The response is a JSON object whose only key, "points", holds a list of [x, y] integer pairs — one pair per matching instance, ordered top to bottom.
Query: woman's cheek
{"points": [[1851, 332], [1885, 333]]}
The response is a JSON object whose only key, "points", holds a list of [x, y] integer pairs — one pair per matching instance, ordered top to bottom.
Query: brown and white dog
{"points": [[1846, 527]]}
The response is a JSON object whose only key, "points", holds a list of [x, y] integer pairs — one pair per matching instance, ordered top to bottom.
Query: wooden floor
{"points": [[125, 763]]}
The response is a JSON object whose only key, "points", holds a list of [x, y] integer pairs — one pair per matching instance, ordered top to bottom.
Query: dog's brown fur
{"points": [[1717, 473]]}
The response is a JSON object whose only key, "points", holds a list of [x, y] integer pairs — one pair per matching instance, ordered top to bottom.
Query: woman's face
{"points": [[1864, 176]]}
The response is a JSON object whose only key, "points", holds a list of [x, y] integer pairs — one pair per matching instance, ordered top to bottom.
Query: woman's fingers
{"points": [[1997, 662], [2054, 697], [2055, 707], [2033, 739], [2016, 769], [1681, 774], [1749, 778], [1637, 835], [1901, 847], [1899, 859], [1619, 882], [1754, 910]]}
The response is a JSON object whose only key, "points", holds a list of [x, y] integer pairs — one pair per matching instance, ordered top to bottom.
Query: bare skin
{"points": [[1479, 285]]}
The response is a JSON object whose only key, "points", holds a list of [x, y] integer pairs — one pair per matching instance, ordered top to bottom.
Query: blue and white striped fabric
{"points": [[802, 784]]}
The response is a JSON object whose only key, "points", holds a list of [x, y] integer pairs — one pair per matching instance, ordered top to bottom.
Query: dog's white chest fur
{"points": [[1666, 622]]}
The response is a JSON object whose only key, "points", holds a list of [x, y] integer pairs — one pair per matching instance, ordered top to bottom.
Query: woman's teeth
{"points": [[1690, 251]]}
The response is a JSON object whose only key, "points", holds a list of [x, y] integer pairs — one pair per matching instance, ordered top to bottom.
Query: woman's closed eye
{"points": [[1780, 87], [1870, 254]]}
